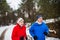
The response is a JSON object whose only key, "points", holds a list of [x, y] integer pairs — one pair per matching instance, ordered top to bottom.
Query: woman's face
{"points": [[21, 22]]}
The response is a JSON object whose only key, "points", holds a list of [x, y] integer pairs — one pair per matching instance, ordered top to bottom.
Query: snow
{"points": [[14, 4], [2, 29], [8, 33], [51, 38]]}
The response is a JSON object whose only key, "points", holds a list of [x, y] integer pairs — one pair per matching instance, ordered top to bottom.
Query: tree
{"points": [[4, 7], [28, 7], [49, 8]]}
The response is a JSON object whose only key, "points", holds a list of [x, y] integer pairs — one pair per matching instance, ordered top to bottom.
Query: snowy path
{"points": [[9, 28]]}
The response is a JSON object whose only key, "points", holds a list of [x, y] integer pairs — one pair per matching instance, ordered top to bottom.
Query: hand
{"points": [[53, 31], [45, 33], [35, 37], [21, 38], [25, 38]]}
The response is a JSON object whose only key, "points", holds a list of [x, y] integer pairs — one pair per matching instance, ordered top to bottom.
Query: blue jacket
{"points": [[38, 30]]}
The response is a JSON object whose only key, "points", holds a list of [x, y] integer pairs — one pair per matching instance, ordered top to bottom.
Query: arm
{"points": [[31, 30], [52, 31], [25, 32], [46, 32], [14, 34], [25, 36]]}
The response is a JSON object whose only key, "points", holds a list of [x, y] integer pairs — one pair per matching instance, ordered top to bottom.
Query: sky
{"points": [[14, 4]]}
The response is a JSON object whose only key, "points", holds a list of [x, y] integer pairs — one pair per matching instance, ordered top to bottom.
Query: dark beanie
{"points": [[38, 16]]}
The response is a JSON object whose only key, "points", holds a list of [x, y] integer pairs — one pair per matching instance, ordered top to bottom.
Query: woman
{"points": [[19, 31]]}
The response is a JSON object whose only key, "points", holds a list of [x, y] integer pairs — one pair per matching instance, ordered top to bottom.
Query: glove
{"points": [[45, 33], [35, 37], [22, 38], [26, 38]]}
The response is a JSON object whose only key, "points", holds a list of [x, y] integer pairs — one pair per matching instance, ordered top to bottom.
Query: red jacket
{"points": [[18, 32]]}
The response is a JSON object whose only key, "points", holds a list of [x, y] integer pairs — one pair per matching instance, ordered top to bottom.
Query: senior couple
{"points": [[38, 30]]}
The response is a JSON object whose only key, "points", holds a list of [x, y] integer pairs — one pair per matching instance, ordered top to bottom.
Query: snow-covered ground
{"points": [[8, 33], [52, 38]]}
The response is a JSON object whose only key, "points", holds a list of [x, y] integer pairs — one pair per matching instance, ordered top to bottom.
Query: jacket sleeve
{"points": [[46, 30], [31, 31], [25, 32], [14, 34]]}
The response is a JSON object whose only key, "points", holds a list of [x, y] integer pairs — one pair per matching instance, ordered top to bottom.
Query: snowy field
{"points": [[8, 32]]}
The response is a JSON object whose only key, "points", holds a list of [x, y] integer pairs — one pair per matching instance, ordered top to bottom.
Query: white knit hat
{"points": [[19, 19]]}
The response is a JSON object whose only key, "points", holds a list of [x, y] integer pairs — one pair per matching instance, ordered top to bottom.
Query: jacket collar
{"points": [[38, 22], [18, 25]]}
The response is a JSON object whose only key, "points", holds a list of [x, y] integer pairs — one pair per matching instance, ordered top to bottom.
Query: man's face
{"points": [[40, 19]]}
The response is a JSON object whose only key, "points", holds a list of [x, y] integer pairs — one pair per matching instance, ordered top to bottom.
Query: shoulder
{"points": [[33, 24], [44, 24], [24, 26], [15, 27]]}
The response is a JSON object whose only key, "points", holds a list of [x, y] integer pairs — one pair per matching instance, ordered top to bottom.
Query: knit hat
{"points": [[39, 16], [19, 19]]}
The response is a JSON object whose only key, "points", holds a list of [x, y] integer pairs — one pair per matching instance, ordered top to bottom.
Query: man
{"points": [[39, 29], [19, 31]]}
